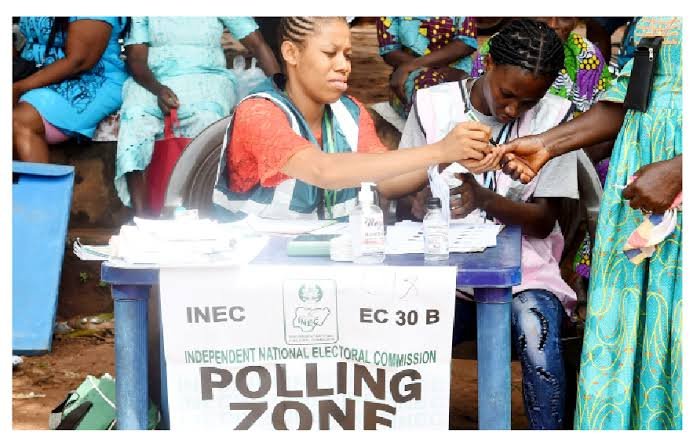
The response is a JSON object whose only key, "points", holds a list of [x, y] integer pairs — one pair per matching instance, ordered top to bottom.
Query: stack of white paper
{"points": [[407, 237], [179, 242]]}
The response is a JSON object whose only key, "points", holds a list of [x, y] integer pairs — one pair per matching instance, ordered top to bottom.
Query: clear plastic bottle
{"points": [[367, 228], [435, 228]]}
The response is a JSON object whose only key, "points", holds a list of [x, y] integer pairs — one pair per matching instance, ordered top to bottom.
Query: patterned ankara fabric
{"points": [[419, 36], [75, 105], [630, 374]]}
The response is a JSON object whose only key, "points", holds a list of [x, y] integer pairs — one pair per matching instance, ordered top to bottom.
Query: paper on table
{"points": [[285, 227], [179, 229], [332, 229], [407, 237], [180, 242], [244, 251]]}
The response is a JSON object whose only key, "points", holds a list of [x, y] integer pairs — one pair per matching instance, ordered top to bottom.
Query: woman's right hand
{"points": [[166, 100], [466, 141]]}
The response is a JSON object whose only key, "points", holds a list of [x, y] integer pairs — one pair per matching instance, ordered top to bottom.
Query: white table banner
{"points": [[308, 347]]}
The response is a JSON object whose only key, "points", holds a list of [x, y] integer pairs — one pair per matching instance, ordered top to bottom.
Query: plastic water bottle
{"points": [[238, 63], [247, 79], [367, 228], [435, 228]]}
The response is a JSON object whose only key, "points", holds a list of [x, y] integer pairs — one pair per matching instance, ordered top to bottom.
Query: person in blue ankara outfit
{"points": [[78, 84]]}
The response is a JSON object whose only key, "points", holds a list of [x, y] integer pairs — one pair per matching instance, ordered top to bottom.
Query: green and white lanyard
{"points": [[502, 138], [329, 196]]}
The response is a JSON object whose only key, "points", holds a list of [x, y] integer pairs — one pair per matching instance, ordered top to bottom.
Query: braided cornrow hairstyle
{"points": [[296, 29], [529, 44]]}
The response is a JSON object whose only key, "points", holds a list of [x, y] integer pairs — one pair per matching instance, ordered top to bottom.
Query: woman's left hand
{"points": [[656, 186], [470, 196]]}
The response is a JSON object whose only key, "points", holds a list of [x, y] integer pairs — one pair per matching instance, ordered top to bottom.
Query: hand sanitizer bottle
{"points": [[367, 228], [435, 228]]}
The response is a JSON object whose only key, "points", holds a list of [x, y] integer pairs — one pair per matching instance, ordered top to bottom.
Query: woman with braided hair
{"points": [[584, 76], [583, 80], [511, 97], [300, 149]]}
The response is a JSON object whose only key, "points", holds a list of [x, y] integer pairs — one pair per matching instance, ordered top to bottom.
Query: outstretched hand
{"points": [[524, 157]]}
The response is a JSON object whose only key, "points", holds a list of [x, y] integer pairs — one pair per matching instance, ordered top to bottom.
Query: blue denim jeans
{"points": [[536, 321]]}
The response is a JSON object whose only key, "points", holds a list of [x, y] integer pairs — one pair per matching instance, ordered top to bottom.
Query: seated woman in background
{"points": [[424, 51], [523, 61], [176, 62], [78, 85], [300, 149]]}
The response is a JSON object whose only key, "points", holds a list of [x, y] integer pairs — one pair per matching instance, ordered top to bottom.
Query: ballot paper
{"points": [[407, 237]]}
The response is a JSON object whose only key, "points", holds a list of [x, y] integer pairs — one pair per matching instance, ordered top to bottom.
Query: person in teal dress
{"points": [[423, 52], [176, 62], [78, 84], [630, 373]]}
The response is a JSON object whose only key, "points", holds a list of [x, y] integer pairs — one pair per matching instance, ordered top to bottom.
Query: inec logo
{"points": [[310, 293], [310, 309], [307, 318]]}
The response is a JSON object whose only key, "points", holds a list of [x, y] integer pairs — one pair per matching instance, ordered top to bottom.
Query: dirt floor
{"points": [[91, 350], [42, 382]]}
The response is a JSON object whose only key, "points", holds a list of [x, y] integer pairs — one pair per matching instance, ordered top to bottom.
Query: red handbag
{"points": [[166, 153]]}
